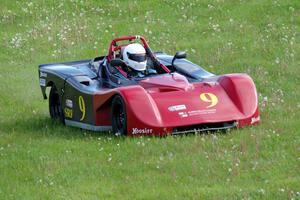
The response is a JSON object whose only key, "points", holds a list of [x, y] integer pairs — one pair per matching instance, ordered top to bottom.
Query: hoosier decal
{"points": [[142, 131]]}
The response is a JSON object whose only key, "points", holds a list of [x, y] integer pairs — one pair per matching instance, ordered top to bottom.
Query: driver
{"points": [[134, 56]]}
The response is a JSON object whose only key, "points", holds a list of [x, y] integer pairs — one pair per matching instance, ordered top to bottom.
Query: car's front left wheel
{"points": [[55, 108]]}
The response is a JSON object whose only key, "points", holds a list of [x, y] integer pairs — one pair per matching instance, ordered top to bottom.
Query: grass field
{"points": [[40, 159]]}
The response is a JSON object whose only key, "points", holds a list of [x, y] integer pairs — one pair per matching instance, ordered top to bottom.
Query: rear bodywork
{"points": [[186, 100]]}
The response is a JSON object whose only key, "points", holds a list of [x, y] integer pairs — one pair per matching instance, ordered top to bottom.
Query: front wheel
{"points": [[55, 108], [119, 117]]}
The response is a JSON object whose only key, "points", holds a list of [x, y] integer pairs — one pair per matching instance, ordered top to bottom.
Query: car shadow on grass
{"points": [[45, 127]]}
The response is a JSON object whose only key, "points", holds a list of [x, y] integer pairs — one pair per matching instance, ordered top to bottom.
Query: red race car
{"points": [[133, 91]]}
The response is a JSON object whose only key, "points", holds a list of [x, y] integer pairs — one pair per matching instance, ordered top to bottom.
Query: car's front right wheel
{"points": [[119, 117]]}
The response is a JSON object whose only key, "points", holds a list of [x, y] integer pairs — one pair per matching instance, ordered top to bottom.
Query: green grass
{"points": [[40, 159]]}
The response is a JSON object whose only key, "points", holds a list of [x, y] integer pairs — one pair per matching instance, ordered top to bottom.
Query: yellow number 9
{"points": [[209, 98], [82, 107]]}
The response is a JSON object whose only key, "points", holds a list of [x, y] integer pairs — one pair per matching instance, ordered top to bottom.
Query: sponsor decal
{"points": [[43, 74], [42, 82], [209, 98], [69, 103], [177, 108], [196, 112], [201, 112], [68, 113], [183, 114], [255, 119], [142, 131]]}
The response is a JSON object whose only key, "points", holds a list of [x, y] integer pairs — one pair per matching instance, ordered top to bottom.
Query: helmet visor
{"points": [[137, 57]]}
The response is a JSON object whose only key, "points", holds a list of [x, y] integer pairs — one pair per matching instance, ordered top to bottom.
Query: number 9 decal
{"points": [[209, 98], [81, 107]]}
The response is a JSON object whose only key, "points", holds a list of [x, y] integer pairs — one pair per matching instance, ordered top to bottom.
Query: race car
{"points": [[134, 91]]}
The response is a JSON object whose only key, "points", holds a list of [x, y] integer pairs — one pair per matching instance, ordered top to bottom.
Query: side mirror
{"points": [[178, 55], [116, 62]]}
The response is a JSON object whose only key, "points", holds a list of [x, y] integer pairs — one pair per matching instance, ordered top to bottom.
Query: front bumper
{"points": [[204, 127]]}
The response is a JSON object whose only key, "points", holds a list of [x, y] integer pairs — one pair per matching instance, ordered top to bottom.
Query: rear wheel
{"points": [[55, 108], [119, 117]]}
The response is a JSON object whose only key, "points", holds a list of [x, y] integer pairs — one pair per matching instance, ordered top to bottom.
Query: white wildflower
{"points": [[161, 157], [261, 191]]}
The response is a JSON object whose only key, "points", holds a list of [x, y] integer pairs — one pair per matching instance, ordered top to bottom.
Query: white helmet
{"points": [[134, 55]]}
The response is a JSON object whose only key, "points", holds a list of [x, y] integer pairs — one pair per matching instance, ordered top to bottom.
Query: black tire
{"points": [[55, 109], [119, 116]]}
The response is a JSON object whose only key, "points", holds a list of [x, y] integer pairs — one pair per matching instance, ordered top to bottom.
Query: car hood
{"points": [[166, 82], [181, 103]]}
